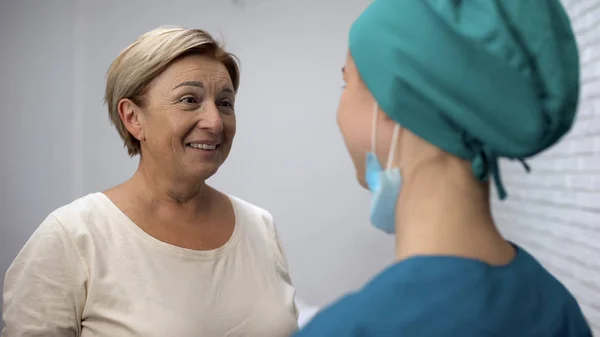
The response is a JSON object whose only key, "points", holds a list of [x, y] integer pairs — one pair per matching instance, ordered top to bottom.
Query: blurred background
{"points": [[56, 142]]}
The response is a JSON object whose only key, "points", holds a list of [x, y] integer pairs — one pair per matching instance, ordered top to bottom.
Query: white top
{"points": [[88, 270]]}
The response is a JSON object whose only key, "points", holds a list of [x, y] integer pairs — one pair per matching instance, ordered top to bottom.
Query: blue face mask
{"points": [[384, 184]]}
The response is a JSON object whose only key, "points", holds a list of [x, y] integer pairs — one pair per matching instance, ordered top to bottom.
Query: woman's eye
{"points": [[188, 100], [227, 104]]}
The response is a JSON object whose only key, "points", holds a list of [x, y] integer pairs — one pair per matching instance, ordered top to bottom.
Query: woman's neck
{"points": [[166, 186], [159, 193], [444, 210]]}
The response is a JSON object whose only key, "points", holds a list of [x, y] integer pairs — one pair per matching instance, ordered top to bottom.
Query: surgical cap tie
{"points": [[485, 163]]}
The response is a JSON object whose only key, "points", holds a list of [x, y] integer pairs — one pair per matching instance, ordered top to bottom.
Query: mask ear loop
{"points": [[374, 128], [393, 146]]}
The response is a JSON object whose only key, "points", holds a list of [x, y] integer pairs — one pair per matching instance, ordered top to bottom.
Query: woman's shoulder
{"points": [[248, 207], [249, 212], [85, 214], [254, 218], [71, 228]]}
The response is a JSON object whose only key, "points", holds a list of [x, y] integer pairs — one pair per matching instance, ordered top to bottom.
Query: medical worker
{"points": [[437, 91]]}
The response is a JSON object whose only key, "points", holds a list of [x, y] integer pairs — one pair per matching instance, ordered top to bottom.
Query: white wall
{"points": [[36, 117], [288, 156], [554, 212]]}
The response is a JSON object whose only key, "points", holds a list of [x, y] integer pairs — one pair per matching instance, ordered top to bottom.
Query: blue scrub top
{"points": [[455, 297]]}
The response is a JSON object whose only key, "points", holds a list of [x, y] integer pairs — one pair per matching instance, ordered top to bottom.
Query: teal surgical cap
{"points": [[481, 79]]}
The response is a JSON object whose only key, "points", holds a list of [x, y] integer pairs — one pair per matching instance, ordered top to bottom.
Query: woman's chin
{"points": [[201, 173], [361, 180]]}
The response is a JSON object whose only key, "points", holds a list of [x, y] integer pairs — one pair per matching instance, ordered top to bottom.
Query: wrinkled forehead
{"points": [[198, 71]]}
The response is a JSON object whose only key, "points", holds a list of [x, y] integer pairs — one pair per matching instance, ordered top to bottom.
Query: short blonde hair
{"points": [[133, 70]]}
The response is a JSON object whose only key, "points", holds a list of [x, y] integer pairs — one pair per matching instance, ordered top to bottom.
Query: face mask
{"points": [[384, 184]]}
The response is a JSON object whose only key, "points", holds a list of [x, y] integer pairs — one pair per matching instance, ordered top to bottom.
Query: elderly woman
{"points": [[436, 92], [162, 254]]}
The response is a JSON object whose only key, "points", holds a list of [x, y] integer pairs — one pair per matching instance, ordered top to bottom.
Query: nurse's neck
{"points": [[444, 210]]}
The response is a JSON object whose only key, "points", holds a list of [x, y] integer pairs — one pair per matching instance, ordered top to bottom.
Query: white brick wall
{"points": [[554, 212]]}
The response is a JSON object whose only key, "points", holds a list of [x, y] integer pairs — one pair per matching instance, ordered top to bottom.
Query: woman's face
{"points": [[354, 117], [187, 122]]}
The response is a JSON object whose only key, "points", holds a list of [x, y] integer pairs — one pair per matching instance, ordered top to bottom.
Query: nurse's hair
{"points": [[133, 70]]}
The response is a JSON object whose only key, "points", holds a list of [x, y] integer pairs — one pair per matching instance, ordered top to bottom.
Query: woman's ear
{"points": [[132, 118]]}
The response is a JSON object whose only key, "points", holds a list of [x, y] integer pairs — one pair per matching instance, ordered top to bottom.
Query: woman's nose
{"points": [[211, 118]]}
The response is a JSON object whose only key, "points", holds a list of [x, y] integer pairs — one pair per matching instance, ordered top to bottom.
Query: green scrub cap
{"points": [[481, 79]]}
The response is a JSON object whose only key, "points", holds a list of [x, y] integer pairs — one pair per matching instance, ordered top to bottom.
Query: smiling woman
{"points": [[162, 254]]}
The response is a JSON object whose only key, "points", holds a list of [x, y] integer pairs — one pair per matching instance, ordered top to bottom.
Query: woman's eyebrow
{"points": [[190, 84]]}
